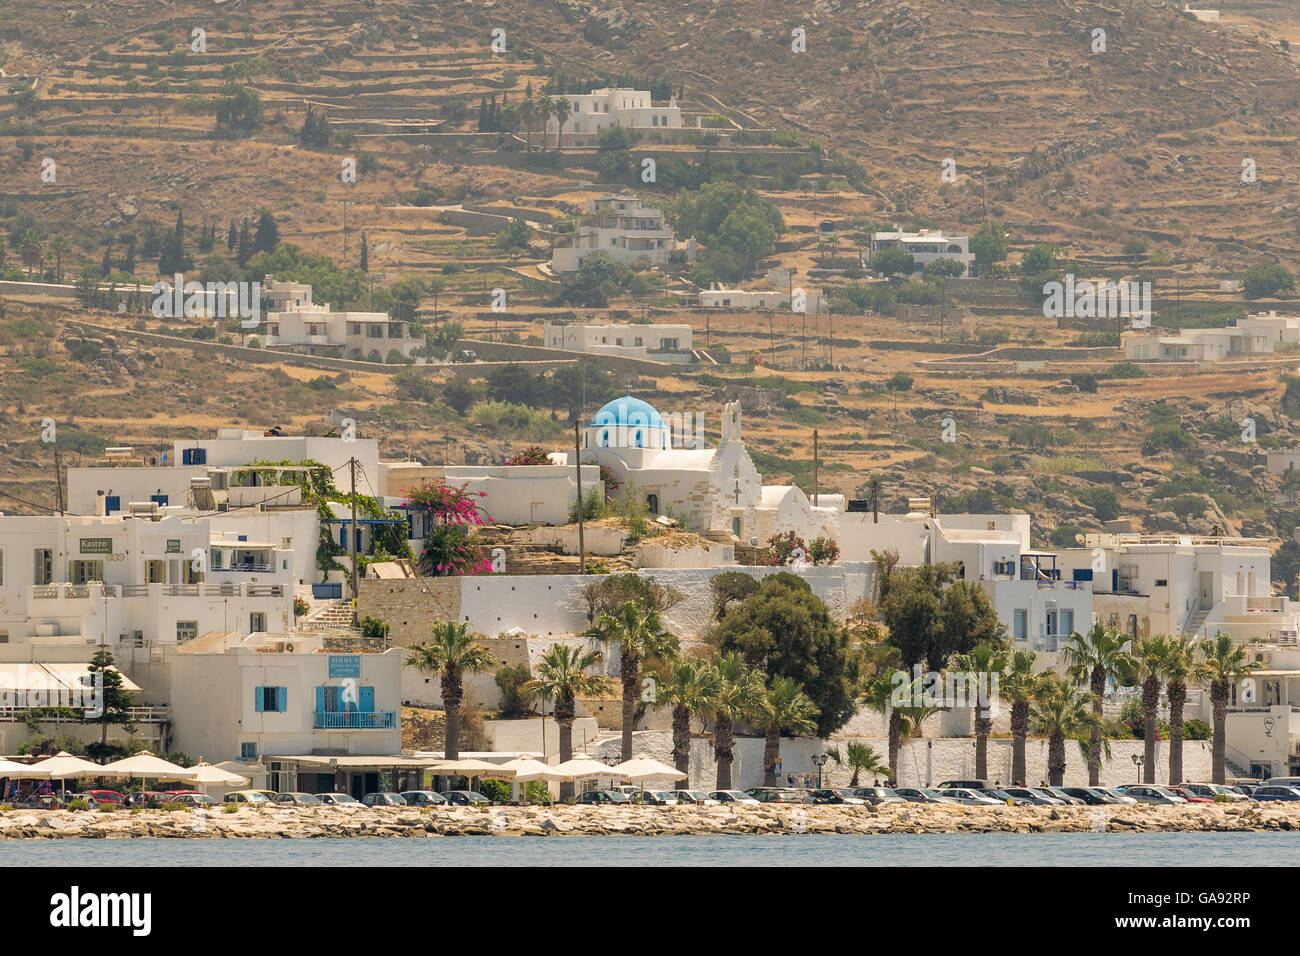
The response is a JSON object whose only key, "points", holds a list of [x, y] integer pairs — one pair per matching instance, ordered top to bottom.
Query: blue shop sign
{"points": [[345, 665]]}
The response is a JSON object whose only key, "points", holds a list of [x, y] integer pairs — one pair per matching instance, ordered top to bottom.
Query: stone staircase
{"points": [[334, 616], [1193, 627]]}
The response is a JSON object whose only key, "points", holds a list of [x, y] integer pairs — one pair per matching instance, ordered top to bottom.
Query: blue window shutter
{"points": [[160, 499], [112, 503], [343, 536], [258, 699], [282, 699], [320, 699], [367, 700]]}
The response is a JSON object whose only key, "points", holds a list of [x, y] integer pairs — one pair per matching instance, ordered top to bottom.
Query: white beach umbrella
{"points": [[64, 766], [147, 766], [469, 767], [582, 768], [526, 769], [641, 769], [21, 771], [206, 773]]}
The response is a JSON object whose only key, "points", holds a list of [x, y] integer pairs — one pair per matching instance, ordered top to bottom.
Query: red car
{"points": [[1189, 796], [99, 798]]}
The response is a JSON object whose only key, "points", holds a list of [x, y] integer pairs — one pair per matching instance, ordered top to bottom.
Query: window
{"points": [[637, 340], [194, 456], [652, 502], [112, 503], [43, 569], [79, 572], [155, 572], [1162, 582], [256, 621], [1067, 622], [1051, 623], [1021, 624], [186, 631], [274, 700], [248, 750]]}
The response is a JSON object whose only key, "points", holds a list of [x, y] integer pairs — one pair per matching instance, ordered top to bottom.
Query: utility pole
{"points": [[346, 203], [771, 335], [803, 337], [577, 457], [816, 475], [58, 481], [352, 537]]}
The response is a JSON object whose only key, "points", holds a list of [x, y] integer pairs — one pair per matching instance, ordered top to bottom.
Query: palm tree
{"points": [[562, 110], [528, 116], [60, 246], [32, 250], [641, 639], [452, 653], [1091, 658], [1224, 663], [987, 665], [1178, 665], [1147, 671], [562, 677], [1021, 685], [689, 691], [879, 694], [734, 697], [782, 708], [1060, 711], [861, 758]]}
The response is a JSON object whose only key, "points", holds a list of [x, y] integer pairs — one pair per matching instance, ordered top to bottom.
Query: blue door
{"points": [[367, 696]]}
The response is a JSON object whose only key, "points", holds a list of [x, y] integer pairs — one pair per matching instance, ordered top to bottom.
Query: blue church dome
{"points": [[628, 411]]}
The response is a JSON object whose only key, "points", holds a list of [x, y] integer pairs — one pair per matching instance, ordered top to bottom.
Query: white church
{"points": [[715, 492]]}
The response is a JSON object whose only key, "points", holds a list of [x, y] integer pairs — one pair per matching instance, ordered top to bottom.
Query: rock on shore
{"points": [[333, 822]]}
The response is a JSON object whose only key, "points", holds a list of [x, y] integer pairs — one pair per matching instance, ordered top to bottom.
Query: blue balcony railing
{"points": [[355, 720]]}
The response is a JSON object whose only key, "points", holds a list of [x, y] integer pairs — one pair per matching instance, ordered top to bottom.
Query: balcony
{"points": [[355, 720]]}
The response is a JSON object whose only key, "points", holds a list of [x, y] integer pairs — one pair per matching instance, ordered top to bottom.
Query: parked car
{"points": [[1282, 782], [963, 785], [1246, 787], [1213, 791], [1144, 793], [1276, 793], [1060, 794], [1084, 794], [780, 795], [877, 795], [914, 795], [731, 796], [837, 796], [1001, 796], [1119, 796], [1189, 796], [261, 797], [596, 797], [697, 797], [1034, 797], [104, 798], [192, 798], [424, 798], [659, 798], [971, 798], [147, 799], [298, 799], [339, 800], [384, 800], [45, 801]]}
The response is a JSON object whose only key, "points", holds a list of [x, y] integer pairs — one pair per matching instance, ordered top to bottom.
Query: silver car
{"points": [[1156, 795], [972, 798]]}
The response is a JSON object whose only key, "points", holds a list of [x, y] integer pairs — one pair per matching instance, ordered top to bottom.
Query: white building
{"points": [[601, 109], [629, 232], [926, 246], [720, 297], [294, 323], [634, 341], [1201, 345], [136, 581], [1183, 585], [264, 695]]}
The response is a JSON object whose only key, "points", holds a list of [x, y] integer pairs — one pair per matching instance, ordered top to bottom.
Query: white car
{"points": [[731, 796], [697, 797], [972, 798]]}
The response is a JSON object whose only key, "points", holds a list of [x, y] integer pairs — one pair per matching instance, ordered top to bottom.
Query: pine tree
{"points": [[267, 236], [232, 237], [245, 248], [365, 254]]}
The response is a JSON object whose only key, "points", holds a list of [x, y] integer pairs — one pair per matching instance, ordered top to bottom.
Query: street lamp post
{"points": [[1138, 760], [820, 761]]}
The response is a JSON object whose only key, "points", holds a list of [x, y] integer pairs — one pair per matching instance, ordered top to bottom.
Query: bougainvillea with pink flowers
{"points": [[532, 455], [448, 549]]}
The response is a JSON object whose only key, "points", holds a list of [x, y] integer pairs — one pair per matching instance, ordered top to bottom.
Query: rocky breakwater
{"points": [[335, 822]]}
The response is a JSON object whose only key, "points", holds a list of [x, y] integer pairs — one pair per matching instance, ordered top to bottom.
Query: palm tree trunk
{"points": [[631, 667], [1098, 687], [451, 696], [1219, 697], [1177, 698], [1150, 704], [1019, 726], [983, 727], [895, 735], [682, 740], [723, 746], [771, 751], [566, 752], [1056, 759]]}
